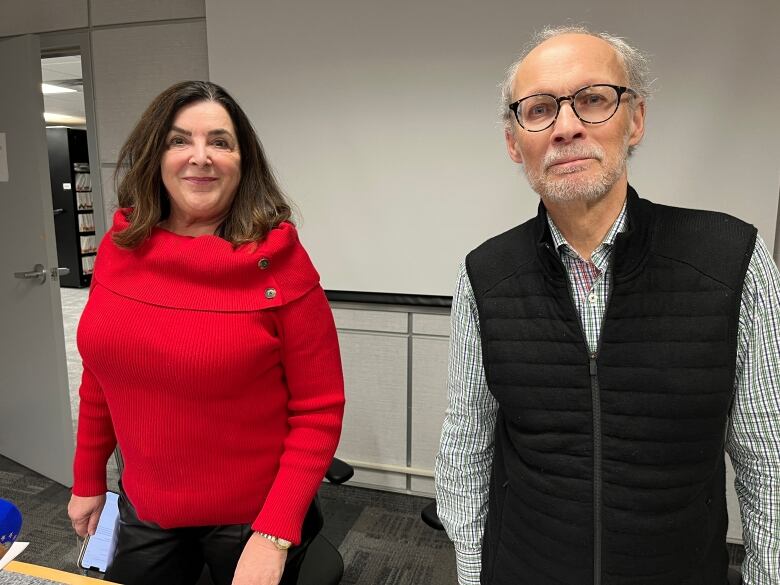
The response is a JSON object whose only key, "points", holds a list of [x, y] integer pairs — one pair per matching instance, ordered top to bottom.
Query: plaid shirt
{"points": [[753, 439]]}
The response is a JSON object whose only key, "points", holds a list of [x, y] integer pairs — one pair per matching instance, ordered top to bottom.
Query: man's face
{"points": [[573, 160]]}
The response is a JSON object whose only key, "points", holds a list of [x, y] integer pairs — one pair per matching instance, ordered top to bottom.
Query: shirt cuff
{"points": [[468, 560]]}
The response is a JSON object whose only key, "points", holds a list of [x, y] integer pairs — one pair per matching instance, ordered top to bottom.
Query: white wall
{"points": [[380, 118]]}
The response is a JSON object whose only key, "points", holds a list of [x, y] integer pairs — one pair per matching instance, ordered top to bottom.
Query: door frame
{"points": [[79, 42]]}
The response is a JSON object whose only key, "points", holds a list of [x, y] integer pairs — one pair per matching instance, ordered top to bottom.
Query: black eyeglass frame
{"points": [[619, 89]]}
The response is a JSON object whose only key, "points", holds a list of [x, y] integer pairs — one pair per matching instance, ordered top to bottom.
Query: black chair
{"points": [[431, 518]]}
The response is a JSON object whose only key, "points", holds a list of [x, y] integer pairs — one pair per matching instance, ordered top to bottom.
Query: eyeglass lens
{"points": [[592, 104]]}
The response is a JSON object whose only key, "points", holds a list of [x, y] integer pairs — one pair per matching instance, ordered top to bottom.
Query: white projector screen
{"points": [[380, 118]]}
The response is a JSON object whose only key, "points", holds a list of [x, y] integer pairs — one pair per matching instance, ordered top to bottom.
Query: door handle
{"points": [[58, 211], [38, 272]]}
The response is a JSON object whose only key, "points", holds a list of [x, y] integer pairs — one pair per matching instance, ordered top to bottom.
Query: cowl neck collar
{"points": [[206, 272]]}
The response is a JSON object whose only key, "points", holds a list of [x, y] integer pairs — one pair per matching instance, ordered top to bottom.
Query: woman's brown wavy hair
{"points": [[259, 204]]}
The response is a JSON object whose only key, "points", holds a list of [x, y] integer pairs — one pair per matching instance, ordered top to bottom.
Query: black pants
{"points": [[149, 555]]}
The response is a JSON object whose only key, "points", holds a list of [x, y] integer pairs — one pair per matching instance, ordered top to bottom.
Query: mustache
{"points": [[572, 151]]}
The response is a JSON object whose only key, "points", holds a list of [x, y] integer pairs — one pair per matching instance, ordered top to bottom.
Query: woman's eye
{"points": [[176, 141], [220, 143]]}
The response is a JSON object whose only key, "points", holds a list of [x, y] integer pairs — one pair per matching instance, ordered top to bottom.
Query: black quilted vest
{"points": [[609, 468]]}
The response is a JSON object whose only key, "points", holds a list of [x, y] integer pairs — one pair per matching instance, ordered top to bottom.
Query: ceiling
{"points": [[68, 107]]}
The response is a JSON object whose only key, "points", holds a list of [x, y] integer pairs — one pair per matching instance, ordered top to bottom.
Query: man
{"points": [[602, 355]]}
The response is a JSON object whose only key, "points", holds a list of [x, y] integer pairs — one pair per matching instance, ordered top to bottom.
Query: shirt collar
{"points": [[618, 226]]}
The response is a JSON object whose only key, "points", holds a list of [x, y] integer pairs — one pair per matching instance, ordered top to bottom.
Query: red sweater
{"points": [[217, 371]]}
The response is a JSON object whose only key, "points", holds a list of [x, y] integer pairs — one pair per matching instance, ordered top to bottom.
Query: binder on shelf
{"points": [[84, 200], [86, 222], [88, 245], [88, 264]]}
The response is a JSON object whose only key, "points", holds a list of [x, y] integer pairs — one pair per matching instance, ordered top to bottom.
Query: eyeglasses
{"points": [[593, 104]]}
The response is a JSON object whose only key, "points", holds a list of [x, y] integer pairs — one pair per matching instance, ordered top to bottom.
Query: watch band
{"points": [[279, 543]]}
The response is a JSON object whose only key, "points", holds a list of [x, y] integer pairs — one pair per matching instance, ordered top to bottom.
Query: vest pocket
{"points": [[494, 529], [700, 536]]}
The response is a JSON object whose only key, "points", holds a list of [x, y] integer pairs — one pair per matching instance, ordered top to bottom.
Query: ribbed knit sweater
{"points": [[217, 371]]}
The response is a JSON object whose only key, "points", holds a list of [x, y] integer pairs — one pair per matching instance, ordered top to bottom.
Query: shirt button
{"points": [[263, 263], [270, 293], [592, 298]]}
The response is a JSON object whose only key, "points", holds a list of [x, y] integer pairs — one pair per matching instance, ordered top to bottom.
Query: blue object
{"points": [[10, 525]]}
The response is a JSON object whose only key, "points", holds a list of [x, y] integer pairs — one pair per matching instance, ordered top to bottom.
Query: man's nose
{"points": [[567, 126]]}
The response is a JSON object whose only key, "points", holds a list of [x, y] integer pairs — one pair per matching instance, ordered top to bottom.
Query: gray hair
{"points": [[635, 62]]}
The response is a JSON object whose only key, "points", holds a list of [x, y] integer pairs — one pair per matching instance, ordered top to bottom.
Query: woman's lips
{"points": [[200, 180]]}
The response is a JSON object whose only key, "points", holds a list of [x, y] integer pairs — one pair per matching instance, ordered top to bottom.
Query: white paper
{"points": [[3, 159], [13, 552]]}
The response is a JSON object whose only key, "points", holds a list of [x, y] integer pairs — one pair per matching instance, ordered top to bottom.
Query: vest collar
{"points": [[631, 246]]}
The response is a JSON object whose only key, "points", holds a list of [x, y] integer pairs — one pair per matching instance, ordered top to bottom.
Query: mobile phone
{"points": [[98, 550]]}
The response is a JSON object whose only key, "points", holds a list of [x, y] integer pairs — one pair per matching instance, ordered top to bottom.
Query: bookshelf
{"points": [[74, 217]]}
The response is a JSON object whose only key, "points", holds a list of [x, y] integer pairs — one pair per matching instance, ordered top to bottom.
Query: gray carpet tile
{"points": [[45, 524], [380, 535], [383, 540], [389, 548]]}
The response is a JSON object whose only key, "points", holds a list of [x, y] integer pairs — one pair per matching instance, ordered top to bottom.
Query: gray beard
{"points": [[563, 188]]}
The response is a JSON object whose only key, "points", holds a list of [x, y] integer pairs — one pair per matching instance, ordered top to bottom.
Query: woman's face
{"points": [[201, 166]]}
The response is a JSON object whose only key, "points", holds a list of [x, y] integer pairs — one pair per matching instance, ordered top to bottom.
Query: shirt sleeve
{"points": [[312, 370], [753, 438], [95, 440], [465, 456]]}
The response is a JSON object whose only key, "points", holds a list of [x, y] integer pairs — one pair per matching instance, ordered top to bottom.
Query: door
{"points": [[35, 416]]}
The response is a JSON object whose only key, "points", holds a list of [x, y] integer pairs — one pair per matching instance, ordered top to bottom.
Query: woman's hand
{"points": [[84, 513], [261, 563]]}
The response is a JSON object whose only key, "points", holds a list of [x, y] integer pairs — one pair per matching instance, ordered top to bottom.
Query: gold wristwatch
{"points": [[279, 543]]}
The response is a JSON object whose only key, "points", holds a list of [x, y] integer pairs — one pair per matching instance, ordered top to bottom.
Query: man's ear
{"points": [[637, 124], [512, 146]]}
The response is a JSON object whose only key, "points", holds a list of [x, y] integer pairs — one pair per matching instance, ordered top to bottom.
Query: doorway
{"points": [[74, 167]]}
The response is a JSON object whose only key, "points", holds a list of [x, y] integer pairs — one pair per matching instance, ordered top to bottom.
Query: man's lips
{"points": [[570, 161]]}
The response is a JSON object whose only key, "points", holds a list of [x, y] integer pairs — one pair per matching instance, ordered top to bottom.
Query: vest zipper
{"points": [[595, 393], [596, 405]]}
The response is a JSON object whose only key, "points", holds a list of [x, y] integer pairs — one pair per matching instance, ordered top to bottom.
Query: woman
{"points": [[210, 357]]}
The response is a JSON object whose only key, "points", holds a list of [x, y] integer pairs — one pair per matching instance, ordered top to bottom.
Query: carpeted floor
{"points": [[379, 534]]}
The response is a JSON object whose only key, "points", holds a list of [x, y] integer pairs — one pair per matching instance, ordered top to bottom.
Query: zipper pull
{"points": [[592, 363]]}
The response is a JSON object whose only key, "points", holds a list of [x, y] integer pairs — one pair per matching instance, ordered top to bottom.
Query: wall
{"points": [[138, 49], [381, 118], [395, 371]]}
